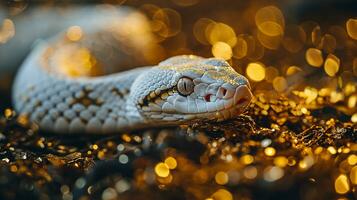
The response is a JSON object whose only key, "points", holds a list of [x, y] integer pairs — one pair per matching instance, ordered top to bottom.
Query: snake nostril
{"points": [[224, 91], [208, 98], [242, 100]]}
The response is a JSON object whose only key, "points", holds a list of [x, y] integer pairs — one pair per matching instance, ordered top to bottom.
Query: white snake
{"points": [[179, 90]]}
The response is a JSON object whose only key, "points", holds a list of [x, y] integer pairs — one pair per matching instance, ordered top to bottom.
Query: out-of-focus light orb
{"points": [[170, 21], [270, 21], [351, 27], [271, 28], [199, 29], [7, 31], [220, 32], [74, 33], [340, 35], [316, 36], [294, 38], [269, 42], [328, 43], [255, 49], [222, 50], [240, 50], [314, 57], [74, 61], [332, 65], [293, 70], [256, 71], [271, 73], [280, 84], [350, 88], [336, 97], [352, 101], [8, 113], [354, 118], [331, 150], [269, 151], [123, 159], [247, 159], [352, 159], [280, 161], [171, 162], [306, 162], [162, 170], [250, 172], [272, 174], [353, 175], [200, 176], [221, 178], [342, 185], [109, 193], [222, 194]]}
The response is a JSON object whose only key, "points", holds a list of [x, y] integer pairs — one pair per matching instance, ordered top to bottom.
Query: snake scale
{"points": [[179, 90]]}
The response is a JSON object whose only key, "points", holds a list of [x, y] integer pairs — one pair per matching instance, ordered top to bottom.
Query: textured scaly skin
{"points": [[137, 98]]}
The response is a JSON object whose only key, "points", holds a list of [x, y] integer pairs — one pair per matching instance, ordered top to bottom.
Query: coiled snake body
{"points": [[179, 90]]}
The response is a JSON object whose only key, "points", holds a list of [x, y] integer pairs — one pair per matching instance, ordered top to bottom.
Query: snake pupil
{"points": [[185, 86]]}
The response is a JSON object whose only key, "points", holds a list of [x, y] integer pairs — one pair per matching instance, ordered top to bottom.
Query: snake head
{"points": [[188, 88]]}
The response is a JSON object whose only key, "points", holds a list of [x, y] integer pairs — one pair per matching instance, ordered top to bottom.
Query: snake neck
{"points": [[75, 105]]}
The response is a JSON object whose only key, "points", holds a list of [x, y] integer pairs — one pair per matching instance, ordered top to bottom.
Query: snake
{"points": [[180, 90]]}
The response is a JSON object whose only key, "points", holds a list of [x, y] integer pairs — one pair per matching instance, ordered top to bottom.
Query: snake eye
{"points": [[185, 86]]}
